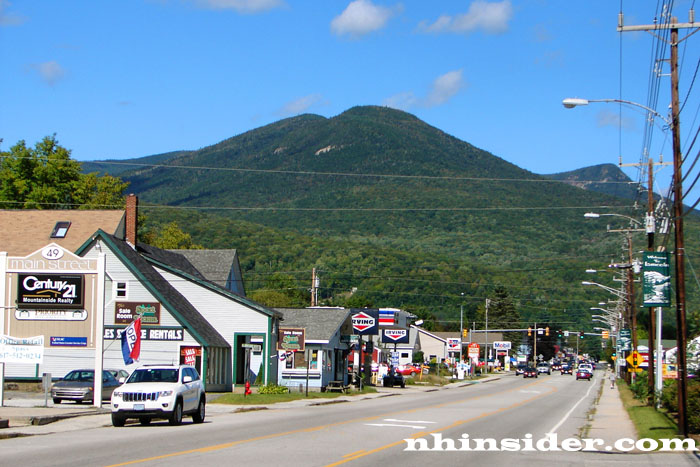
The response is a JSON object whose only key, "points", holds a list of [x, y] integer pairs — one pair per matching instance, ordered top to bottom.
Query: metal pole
{"points": [[650, 246], [461, 330], [486, 337]]}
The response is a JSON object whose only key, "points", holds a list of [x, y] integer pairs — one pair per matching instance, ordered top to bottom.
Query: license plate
{"points": [[139, 407]]}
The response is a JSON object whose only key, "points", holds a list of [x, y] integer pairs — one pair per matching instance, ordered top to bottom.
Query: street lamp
{"points": [[571, 102], [616, 292]]}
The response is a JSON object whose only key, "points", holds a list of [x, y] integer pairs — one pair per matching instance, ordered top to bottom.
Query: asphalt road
{"points": [[365, 432]]}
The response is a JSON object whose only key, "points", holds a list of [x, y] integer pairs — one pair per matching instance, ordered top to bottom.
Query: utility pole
{"points": [[679, 250], [315, 282], [486, 336]]}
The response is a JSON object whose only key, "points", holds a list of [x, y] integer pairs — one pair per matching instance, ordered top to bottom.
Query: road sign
{"points": [[634, 359]]}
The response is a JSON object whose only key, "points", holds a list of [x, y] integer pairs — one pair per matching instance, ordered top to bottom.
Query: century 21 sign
{"points": [[50, 291]]}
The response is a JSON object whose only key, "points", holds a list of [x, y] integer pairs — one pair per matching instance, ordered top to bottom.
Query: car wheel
{"points": [[403, 385], [56, 400], [198, 416], [176, 417], [118, 420], [145, 420]]}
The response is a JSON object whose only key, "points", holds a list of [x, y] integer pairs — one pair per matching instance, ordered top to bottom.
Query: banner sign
{"points": [[657, 279], [49, 291], [126, 312], [51, 315], [365, 321], [147, 334], [396, 336], [291, 339], [59, 341], [21, 349]]}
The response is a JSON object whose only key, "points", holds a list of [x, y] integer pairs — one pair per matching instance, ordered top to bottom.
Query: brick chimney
{"points": [[132, 213]]}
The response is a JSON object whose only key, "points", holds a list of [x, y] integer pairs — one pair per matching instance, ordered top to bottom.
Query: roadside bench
{"points": [[336, 386]]}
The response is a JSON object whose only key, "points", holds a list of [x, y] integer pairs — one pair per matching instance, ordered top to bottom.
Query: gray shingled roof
{"points": [[218, 266], [188, 316], [320, 323]]}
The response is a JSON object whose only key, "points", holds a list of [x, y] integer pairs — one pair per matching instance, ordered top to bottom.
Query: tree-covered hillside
{"points": [[392, 212]]}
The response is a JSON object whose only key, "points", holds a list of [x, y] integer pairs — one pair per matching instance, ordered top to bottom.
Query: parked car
{"points": [[543, 368], [409, 370], [567, 370], [530, 372], [119, 374], [583, 374], [393, 378], [78, 386], [160, 391]]}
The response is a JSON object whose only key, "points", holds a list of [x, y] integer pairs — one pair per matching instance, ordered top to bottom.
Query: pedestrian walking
{"points": [[612, 380]]}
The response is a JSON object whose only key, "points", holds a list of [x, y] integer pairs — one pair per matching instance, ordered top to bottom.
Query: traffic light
{"points": [[529, 331], [546, 331], [464, 333], [559, 333], [581, 334]]}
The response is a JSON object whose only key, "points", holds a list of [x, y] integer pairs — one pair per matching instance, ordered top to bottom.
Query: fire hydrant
{"points": [[247, 388]]}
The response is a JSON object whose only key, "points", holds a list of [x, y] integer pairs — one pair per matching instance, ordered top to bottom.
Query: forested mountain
{"points": [[392, 212]]}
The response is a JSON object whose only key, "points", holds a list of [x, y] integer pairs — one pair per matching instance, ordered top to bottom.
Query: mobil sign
{"points": [[365, 321], [395, 336], [501, 345]]}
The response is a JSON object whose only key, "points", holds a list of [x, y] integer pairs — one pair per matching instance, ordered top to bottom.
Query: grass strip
{"points": [[264, 399], [649, 422]]}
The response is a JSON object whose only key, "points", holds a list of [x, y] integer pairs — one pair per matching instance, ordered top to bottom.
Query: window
{"points": [[60, 229], [121, 289]]}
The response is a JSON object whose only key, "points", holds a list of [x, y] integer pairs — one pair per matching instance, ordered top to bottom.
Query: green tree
{"points": [[46, 177], [171, 237], [504, 315]]}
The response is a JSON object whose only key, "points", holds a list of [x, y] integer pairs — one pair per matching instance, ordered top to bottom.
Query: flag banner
{"points": [[656, 285], [386, 317], [131, 342]]}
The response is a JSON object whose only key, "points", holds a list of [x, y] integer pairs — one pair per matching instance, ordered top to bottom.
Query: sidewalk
{"points": [[27, 416], [611, 421]]}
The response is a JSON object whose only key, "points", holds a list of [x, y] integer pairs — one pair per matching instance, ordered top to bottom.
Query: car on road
{"points": [[556, 366], [586, 366], [543, 368], [520, 369], [409, 370], [567, 370], [530, 372], [583, 374], [393, 378], [78, 386], [160, 392]]}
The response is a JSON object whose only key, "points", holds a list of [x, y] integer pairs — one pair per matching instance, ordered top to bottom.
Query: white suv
{"points": [[159, 391]]}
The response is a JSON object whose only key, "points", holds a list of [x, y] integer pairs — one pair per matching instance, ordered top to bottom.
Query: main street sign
{"points": [[365, 321]]}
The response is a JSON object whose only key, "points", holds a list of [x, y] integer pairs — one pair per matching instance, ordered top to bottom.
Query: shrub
{"points": [[640, 387], [273, 389], [669, 396], [693, 412]]}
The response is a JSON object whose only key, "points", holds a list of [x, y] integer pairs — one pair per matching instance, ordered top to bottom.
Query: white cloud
{"points": [[243, 6], [361, 17], [490, 17], [9, 19], [50, 72], [443, 88], [300, 105], [607, 118]]}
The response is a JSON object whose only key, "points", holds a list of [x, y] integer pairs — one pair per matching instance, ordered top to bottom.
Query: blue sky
{"points": [[130, 78]]}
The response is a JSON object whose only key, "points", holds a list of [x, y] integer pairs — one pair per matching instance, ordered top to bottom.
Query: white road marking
{"points": [[529, 391], [406, 421], [394, 424], [554, 429]]}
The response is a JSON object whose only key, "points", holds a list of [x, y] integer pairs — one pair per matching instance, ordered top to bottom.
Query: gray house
{"points": [[326, 352]]}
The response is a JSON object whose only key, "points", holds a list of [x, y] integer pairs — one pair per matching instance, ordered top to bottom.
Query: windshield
{"points": [[80, 375], [154, 375]]}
